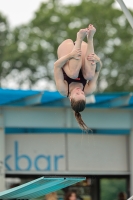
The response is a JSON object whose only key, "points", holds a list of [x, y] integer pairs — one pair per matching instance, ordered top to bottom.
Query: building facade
{"points": [[39, 136]]}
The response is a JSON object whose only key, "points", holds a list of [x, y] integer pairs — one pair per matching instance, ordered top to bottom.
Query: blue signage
{"points": [[51, 162]]}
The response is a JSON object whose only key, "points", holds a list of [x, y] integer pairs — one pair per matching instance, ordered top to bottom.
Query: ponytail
{"points": [[79, 106], [80, 121]]}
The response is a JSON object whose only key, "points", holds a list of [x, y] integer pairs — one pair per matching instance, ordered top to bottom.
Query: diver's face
{"points": [[77, 94]]}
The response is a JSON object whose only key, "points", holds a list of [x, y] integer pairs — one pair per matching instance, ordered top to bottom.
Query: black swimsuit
{"points": [[69, 80]]}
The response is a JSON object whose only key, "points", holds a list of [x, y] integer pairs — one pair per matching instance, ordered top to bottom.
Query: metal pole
{"points": [[126, 12], [131, 198]]}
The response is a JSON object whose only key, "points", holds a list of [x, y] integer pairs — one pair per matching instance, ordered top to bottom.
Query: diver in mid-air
{"points": [[77, 69]]}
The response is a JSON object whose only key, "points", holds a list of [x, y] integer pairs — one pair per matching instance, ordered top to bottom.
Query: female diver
{"points": [[77, 69]]}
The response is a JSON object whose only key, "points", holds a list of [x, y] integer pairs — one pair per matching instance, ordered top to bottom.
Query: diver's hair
{"points": [[79, 106]]}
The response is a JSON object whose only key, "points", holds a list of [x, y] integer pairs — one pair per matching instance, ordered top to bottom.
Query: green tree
{"points": [[4, 29], [31, 49], [110, 188]]}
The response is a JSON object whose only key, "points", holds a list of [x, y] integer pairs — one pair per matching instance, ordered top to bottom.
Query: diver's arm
{"points": [[74, 54], [62, 61], [92, 84]]}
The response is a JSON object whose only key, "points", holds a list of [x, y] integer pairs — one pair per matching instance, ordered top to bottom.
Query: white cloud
{"points": [[21, 11]]}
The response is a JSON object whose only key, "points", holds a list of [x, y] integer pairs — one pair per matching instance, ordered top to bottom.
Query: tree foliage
{"points": [[3, 39], [30, 50], [110, 188]]}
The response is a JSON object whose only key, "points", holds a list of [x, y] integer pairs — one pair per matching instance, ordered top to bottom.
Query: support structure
{"points": [[126, 12], [2, 154], [131, 159]]}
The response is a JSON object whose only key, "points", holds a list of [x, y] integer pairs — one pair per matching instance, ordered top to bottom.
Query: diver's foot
{"points": [[92, 31], [82, 33]]}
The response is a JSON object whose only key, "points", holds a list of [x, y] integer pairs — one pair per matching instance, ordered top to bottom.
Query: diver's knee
{"points": [[89, 75]]}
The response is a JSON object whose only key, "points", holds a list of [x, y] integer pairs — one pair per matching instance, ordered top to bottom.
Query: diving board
{"points": [[39, 187]]}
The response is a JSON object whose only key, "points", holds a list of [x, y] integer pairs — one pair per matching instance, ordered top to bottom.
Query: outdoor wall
{"points": [[66, 154]]}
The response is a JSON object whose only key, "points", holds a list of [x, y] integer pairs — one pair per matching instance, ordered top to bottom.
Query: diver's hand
{"points": [[76, 54], [94, 58]]}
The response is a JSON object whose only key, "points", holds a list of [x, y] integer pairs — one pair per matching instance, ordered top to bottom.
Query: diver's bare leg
{"points": [[75, 65], [89, 66]]}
